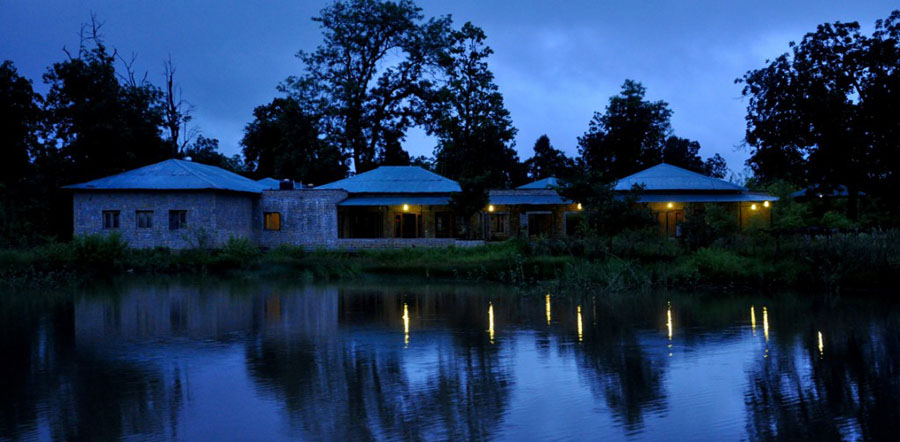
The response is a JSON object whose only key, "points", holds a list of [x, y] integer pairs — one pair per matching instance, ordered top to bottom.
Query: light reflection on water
{"points": [[181, 360]]}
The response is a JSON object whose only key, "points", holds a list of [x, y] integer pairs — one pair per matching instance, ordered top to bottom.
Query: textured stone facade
{"points": [[211, 217], [308, 217]]}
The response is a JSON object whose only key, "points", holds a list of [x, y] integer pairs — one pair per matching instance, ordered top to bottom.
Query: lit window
{"points": [[110, 219], [144, 219], [177, 219], [272, 220]]}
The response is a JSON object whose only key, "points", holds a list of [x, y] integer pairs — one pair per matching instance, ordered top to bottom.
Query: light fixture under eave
{"points": [[765, 204], [670, 205], [578, 206], [753, 206], [406, 207], [491, 208]]}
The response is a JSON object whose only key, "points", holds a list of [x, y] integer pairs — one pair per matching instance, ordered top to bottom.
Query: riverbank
{"points": [[869, 261]]}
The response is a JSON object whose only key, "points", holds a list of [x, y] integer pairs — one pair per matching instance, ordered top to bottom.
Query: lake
{"points": [[189, 359]]}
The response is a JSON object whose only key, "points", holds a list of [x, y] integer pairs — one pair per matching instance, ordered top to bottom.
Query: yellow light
{"points": [[765, 204], [670, 205], [579, 206], [753, 206], [406, 207], [491, 208], [547, 302], [753, 319], [491, 321], [766, 323], [405, 325], [580, 325], [669, 326], [821, 345]]}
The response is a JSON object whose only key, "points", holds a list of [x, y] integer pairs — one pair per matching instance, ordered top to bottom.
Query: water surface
{"points": [[224, 360]]}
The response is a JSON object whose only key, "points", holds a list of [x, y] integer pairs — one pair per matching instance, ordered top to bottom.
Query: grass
{"points": [[627, 262]]}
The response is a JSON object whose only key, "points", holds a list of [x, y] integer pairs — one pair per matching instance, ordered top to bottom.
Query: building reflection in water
{"points": [[547, 307], [753, 319], [491, 321], [766, 323], [405, 325], [669, 325], [580, 326], [821, 345]]}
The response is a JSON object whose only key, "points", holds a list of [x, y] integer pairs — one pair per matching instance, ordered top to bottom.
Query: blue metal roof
{"points": [[173, 175], [668, 177], [395, 179], [269, 183], [546, 183], [533, 197], [704, 198], [397, 200]]}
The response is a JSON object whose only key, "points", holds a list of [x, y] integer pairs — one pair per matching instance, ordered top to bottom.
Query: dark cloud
{"points": [[555, 62]]}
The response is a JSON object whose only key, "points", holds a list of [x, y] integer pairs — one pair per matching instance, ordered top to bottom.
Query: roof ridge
{"points": [[196, 174]]}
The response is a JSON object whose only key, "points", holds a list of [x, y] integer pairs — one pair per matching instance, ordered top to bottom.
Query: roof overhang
{"points": [[704, 198], [395, 200]]}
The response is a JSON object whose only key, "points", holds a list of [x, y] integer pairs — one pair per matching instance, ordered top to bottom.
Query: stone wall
{"points": [[212, 217], [308, 217]]}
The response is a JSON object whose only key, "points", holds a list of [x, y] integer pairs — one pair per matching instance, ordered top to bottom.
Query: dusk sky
{"points": [[555, 62]]}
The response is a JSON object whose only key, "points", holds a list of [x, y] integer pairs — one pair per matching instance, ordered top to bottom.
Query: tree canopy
{"points": [[365, 78], [823, 114], [474, 129], [283, 141], [548, 161]]}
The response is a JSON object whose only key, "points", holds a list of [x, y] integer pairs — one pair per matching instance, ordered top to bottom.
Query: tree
{"points": [[364, 79], [177, 112], [821, 114], [20, 119], [101, 127], [474, 129], [628, 137], [283, 141], [206, 151], [393, 153], [683, 153], [548, 161], [715, 166], [606, 213]]}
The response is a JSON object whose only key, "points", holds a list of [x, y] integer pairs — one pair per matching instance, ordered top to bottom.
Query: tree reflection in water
{"points": [[346, 387], [848, 389]]}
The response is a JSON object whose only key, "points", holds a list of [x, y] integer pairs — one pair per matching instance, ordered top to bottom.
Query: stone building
{"points": [[181, 204]]}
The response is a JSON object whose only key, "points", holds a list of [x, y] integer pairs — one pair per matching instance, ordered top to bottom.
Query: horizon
{"points": [[554, 67]]}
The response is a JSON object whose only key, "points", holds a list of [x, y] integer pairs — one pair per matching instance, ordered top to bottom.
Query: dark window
{"points": [[110, 219], [144, 219], [177, 219], [272, 220], [498, 223], [574, 223], [443, 224]]}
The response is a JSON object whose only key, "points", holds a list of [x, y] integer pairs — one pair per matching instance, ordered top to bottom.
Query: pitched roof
{"points": [[174, 175], [666, 177], [395, 179], [269, 183], [546, 183], [526, 197]]}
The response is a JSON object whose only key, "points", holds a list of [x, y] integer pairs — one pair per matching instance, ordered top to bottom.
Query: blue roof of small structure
{"points": [[173, 175], [666, 177], [395, 179], [269, 183], [545, 183], [526, 197], [705, 197], [395, 200]]}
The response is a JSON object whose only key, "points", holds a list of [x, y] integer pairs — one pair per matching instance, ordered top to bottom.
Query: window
{"points": [[144, 218], [110, 219], [177, 219], [272, 220], [498, 223], [443, 224]]}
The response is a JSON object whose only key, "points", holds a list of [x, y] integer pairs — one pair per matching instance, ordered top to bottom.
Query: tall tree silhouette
{"points": [[548, 161]]}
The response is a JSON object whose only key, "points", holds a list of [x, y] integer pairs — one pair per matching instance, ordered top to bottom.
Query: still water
{"points": [[224, 360]]}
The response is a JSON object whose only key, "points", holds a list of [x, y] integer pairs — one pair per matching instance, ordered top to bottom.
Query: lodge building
{"points": [[182, 204]]}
